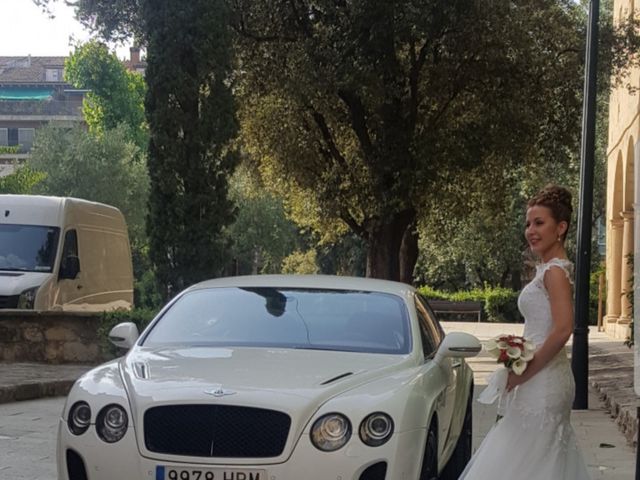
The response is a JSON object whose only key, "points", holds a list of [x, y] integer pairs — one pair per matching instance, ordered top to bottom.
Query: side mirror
{"points": [[69, 267], [124, 335], [458, 345]]}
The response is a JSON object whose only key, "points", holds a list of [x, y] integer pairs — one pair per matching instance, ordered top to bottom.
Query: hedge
{"points": [[499, 304]]}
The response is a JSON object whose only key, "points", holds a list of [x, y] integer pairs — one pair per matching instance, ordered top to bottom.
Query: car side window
{"points": [[430, 331]]}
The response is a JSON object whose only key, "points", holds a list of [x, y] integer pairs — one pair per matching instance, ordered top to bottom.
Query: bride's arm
{"points": [[559, 290]]}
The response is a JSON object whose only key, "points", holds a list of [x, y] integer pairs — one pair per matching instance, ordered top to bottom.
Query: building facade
{"points": [[32, 94], [622, 196]]}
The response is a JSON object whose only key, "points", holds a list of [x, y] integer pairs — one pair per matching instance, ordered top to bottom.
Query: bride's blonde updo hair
{"points": [[558, 200]]}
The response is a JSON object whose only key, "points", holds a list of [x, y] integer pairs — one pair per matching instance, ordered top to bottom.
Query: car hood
{"points": [[163, 373], [296, 382]]}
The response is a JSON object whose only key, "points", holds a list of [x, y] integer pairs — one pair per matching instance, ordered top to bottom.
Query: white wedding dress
{"points": [[534, 440]]}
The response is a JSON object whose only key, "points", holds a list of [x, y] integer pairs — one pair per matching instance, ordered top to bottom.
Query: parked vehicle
{"points": [[63, 254], [277, 377]]}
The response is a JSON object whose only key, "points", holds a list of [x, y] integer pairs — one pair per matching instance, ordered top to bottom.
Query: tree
{"points": [[116, 95], [190, 111], [362, 114], [105, 169], [22, 181], [261, 235]]}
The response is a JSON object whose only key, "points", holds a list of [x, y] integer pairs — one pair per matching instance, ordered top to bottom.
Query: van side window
{"points": [[70, 246], [69, 249]]}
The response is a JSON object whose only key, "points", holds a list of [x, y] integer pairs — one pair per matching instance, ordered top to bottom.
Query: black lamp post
{"points": [[580, 355]]}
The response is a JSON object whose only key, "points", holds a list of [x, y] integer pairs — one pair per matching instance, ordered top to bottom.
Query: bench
{"points": [[459, 308]]}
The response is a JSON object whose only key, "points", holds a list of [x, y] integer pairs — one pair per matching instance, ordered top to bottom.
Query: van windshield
{"points": [[29, 248]]}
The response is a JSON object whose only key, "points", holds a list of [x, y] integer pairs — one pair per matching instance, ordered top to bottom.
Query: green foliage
{"points": [[116, 96], [362, 114], [191, 117], [9, 149], [106, 169], [24, 180], [261, 235], [301, 263], [593, 293], [499, 304], [140, 316], [630, 340]]}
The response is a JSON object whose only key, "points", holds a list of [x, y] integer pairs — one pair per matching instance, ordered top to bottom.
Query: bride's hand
{"points": [[514, 380]]}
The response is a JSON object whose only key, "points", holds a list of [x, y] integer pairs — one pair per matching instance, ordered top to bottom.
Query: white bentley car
{"points": [[277, 378]]}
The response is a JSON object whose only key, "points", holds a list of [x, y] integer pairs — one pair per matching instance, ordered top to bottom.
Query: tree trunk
{"points": [[393, 248], [408, 253]]}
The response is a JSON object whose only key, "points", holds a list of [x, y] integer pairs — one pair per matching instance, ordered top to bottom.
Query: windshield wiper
{"points": [[14, 269]]}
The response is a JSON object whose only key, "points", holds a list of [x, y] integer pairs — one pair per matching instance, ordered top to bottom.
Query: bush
{"points": [[593, 294], [499, 304], [140, 316]]}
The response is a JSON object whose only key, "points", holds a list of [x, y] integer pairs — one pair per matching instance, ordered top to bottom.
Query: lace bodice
{"points": [[533, 301]]}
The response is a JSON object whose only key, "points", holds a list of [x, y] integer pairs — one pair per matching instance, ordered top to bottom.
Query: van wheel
{"points": [[462, 453], [429, 470]]}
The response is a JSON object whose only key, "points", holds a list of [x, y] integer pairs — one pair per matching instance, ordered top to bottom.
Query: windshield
{"points": [[29, 248], [286, 318]]}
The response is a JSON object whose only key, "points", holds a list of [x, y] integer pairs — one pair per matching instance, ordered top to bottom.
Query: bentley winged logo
{"points": [[219, 392]]}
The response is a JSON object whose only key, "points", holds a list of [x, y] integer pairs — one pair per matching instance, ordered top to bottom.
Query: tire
{"points": [[462, 453], [429, 469]]}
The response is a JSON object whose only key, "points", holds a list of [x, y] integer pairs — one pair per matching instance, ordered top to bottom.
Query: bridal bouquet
{"points": [[513, 351]]}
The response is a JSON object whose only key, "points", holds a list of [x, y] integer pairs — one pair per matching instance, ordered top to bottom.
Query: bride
{"points": [[535, 440]]}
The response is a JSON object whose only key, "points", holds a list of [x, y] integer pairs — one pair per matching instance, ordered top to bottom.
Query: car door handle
{"points": [[456, 364]]}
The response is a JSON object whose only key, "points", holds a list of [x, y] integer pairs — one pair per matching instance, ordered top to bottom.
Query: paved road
{"points": [[27, 439]]}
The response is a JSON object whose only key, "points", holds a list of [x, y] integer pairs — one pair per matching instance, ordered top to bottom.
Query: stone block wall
{"points": [[50, 337]]}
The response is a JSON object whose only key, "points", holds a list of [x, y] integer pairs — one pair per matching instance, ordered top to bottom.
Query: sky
{"points": [[26, 29]]}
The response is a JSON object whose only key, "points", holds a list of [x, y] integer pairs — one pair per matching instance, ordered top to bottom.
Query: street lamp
{"points": [[580, 355]]}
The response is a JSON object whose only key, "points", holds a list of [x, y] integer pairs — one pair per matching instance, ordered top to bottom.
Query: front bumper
{"points": [[402, 453]]}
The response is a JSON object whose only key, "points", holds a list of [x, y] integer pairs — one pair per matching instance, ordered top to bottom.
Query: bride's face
{"points": [[542, 230]]}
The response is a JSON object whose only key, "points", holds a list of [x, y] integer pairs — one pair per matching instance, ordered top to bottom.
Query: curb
{"points": [[31, 391]]}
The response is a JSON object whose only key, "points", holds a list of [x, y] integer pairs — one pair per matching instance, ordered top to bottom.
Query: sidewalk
{"points": [[607, 429]]}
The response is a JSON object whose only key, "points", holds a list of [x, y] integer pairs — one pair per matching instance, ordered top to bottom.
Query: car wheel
{"points": [[462, 453], [429, 470]]}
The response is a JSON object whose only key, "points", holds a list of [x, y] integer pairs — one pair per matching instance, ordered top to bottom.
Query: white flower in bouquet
{"points": [[514, 352], [519, 366]]}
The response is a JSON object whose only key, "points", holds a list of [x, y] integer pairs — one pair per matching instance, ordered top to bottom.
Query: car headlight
{"points": [[27, 299], [79, 418], [111, 423], [376, 429], [330, 432]]}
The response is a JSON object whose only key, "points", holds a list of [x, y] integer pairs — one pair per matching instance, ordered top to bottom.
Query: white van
{"points": [[63, 254]]}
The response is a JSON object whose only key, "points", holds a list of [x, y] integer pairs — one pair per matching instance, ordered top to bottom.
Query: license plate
{"points": [[167, 472]]}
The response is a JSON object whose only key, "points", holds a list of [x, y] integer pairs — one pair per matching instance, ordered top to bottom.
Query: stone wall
{"points": [[51, 337]]}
